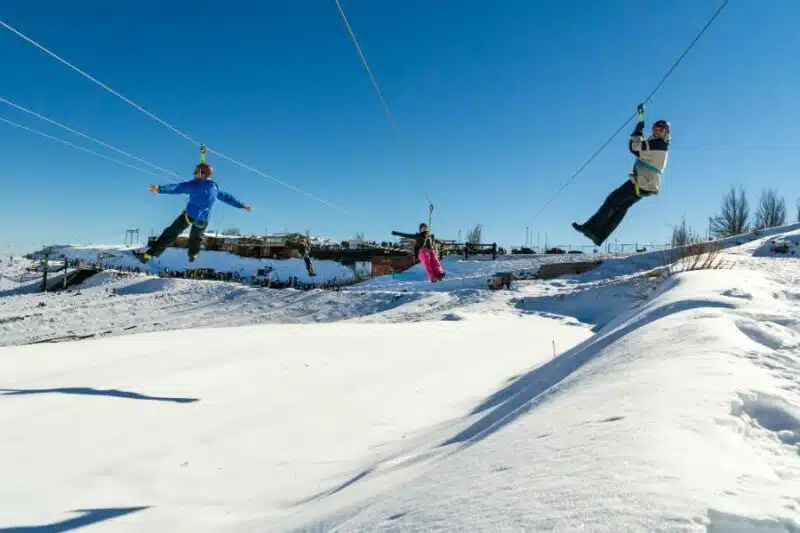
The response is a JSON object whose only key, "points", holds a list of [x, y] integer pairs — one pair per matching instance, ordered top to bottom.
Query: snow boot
{"points": [[586, 233], [143, 257]]}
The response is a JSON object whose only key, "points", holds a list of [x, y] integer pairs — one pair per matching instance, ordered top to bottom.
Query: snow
{"points": [[176, 259], [629, 398]]}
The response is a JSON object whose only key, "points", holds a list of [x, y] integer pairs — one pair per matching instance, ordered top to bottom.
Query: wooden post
{"points": [[494, 250], [46, 252], [66, 266]]}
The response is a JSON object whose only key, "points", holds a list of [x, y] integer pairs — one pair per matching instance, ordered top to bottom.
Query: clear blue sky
{"points": [[497, 103]]}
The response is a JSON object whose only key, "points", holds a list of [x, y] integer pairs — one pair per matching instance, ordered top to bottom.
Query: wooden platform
{"points": [[554, 270]]}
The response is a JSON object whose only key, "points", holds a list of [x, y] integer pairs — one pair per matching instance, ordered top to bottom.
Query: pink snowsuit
{"points": [[425, 253], [428, 257]]}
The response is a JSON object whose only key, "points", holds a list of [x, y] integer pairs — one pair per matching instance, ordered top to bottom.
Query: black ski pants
{"points": [[610, 214], [171, 233]]}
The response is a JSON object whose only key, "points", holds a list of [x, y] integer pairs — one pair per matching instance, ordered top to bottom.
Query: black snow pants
{"points": [[610, 214], [171, 233]]}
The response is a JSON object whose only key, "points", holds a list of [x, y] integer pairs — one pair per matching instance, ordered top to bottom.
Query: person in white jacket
{"points": [[644, 180]]}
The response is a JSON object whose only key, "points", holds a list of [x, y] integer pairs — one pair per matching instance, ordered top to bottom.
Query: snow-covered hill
{"points": [[121, 303], [610, 401]]}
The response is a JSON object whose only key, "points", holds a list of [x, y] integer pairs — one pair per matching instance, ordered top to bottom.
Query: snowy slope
{"points": [[744, 244], [176, 259], [470, 273], [15, 276], [114, 303], [681, 413], [206, 430]]}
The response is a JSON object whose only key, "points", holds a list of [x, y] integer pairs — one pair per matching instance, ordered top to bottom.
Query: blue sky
{"points": [[497, 104]]}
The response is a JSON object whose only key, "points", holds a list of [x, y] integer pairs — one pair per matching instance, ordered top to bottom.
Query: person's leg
{"points": [[610, 214], [169, 235], [196, 239], [425, 259], [436, 265]]}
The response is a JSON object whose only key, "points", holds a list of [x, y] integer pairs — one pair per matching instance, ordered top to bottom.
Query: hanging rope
{"points": [[160, 121], [624, 124], [81, 148]]}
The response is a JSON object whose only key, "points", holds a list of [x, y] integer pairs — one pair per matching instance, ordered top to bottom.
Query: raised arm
{"points": [[637, 143], [230, 200]]}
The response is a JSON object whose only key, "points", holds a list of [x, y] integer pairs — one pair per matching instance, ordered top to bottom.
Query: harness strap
{"points": [[649, 166]]}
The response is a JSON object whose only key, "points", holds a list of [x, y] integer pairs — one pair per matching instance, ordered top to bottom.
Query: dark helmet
{"points": [[661, 123], [205, 169]]}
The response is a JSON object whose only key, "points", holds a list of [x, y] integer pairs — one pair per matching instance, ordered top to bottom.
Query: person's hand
{"points": [[154, 188], [247, 208]]}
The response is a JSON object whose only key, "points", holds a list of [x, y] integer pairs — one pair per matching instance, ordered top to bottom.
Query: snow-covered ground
{"points": [[176, 259], [120, 303], [613, 401]]}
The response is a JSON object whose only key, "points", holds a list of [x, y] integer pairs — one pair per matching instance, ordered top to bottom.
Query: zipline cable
{"points": [[368, 69], [377, 88], [649, 97], [160, 121], [37, 132], [88, 137]]}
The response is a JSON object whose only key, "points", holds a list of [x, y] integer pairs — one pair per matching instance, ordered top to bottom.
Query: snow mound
{"points": [[744, 244], [786, 245], [146, 286], [503, 413], [670, 418]]}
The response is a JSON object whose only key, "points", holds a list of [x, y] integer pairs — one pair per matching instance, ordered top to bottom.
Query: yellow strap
{"points": [[203, 151], [636, 185], [188, 221]]}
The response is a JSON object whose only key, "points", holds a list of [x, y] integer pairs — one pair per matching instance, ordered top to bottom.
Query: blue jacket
{"points": [[202, 195]]}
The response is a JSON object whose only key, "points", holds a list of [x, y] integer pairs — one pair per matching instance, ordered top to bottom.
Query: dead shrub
{"points": [[696, 256]]}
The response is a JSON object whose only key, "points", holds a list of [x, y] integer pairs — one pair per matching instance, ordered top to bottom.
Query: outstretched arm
{"points": [[637, 143], [172, 188], [230, 200], [406, 235]]}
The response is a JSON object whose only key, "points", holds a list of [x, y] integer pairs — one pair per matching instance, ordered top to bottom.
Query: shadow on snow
{"points": [[91, 391], [86, 518]]}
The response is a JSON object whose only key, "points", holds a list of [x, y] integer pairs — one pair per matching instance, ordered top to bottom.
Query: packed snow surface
{"points": [[632, 398]]}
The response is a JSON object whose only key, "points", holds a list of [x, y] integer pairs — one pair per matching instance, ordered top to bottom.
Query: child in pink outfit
{"points": [[424, 251]]}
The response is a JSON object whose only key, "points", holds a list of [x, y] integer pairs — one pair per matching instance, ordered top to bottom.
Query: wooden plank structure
{"points": [[287, 246], [389, 264], [554, 270]]}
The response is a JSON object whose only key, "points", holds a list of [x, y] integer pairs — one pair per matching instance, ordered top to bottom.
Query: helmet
{"points": [[662, 123], [205, 169]]}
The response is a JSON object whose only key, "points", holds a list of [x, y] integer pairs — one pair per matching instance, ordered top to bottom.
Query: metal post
{"points": [[46, 252]]}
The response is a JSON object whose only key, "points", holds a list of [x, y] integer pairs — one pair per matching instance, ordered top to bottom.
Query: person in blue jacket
{"points": [[203, 192]]}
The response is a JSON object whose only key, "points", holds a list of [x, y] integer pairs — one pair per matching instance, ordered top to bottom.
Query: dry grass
{"points": [[697, 256]]}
